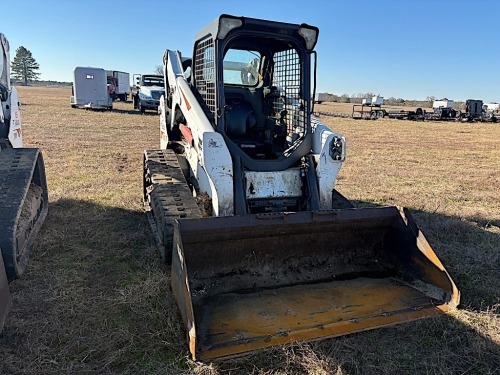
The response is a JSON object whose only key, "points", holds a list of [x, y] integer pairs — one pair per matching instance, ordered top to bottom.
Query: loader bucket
{"points": [[245, 283]]}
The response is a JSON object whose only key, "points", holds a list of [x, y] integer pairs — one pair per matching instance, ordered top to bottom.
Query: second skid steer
{"points": [[23, 187], [270, 253]]}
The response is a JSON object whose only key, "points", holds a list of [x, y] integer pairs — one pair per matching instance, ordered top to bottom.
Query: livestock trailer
{"points": [[90, 89]]}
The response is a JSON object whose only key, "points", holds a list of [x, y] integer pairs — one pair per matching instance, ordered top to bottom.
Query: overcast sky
{"points": [[400, 48]]}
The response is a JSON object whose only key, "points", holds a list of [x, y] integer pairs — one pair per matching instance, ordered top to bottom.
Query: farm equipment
{"points": [[91, 89], [147, 90], [491, 107], [371, 108], [443, 110], [473, 111], [367, 112], [374, 112], [491, 112], [417, 114], [23, 187], [269, 252]]}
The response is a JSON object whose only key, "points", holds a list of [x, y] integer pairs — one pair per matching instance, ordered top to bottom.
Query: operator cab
{"points": [[254, 79], [264, 114]]}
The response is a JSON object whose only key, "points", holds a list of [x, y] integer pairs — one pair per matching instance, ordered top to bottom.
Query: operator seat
{"points": [[240, 118]]}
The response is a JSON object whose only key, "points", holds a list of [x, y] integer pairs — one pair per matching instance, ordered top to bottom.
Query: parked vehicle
{"points": [[121, 83], [90, 89], [147, 90], [320, 98], [491, 107], [443, 110], [473, 111], [491, 112], [23, 187], [282, 256]]}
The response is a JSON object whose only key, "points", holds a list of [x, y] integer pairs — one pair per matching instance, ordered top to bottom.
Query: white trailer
{"points": [[120, 84], [90, 89], [320, 97], [375, 101], [442, 103], [491, 107]]}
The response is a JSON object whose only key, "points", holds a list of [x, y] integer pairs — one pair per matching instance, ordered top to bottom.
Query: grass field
{"points": [[95, 298]]}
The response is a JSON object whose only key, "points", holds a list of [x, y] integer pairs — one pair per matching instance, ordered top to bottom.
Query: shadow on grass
{"points": [[96, 299]]}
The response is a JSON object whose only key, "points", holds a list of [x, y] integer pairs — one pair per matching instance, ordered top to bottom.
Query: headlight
{"points": [[226, 24], [310, 35], [144, 96], [337, 148]]}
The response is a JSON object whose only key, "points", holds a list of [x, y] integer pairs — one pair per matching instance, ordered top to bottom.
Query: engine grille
{"points": [[156, 94]]}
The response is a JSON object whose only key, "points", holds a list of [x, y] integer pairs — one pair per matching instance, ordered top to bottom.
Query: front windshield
{"points": [[241, 67], [152, 81]]}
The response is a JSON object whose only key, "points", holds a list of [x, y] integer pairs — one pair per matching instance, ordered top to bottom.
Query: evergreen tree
{"points": [[24, 66]]}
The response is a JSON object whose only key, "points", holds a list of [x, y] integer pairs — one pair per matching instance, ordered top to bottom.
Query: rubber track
{"points": [[20, 169], [167, 197]]}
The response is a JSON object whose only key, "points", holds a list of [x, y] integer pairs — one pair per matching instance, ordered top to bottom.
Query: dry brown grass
{"points": [[95, 298]]}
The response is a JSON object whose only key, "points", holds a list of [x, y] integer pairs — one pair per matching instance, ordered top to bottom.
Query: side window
{"points": [[209, 65], [241, 67], [204, 71], [287, 79]]}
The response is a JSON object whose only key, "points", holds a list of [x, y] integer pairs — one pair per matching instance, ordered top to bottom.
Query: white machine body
{"points": [[210, 161]]}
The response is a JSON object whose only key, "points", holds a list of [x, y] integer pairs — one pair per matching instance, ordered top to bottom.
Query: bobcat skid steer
{"points": [[23, 187], [275, 254]]}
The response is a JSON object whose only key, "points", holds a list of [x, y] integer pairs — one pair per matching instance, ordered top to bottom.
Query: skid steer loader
{"points": [[23, 187], [269, 252]]}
